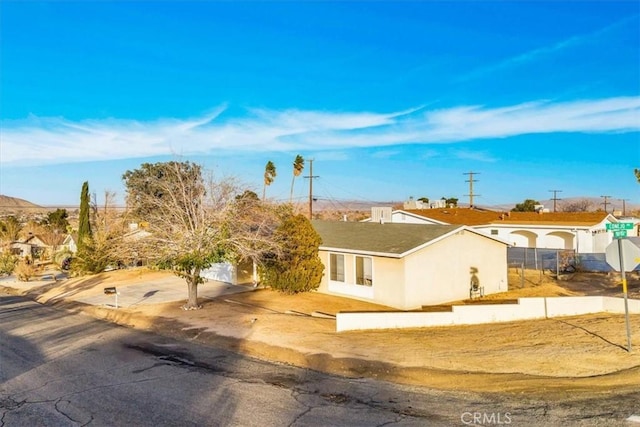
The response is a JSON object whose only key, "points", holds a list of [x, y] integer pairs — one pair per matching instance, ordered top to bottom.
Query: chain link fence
{"points": [[556, 260]]}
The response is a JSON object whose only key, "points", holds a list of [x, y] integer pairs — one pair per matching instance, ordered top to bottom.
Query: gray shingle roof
{"points": [[386, 238]]}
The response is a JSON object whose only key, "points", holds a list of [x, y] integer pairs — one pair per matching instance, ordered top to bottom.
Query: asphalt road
{"points": [[64, 369]]}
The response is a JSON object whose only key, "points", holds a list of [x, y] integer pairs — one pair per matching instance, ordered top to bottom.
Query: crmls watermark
{"points": [[486, 418]]}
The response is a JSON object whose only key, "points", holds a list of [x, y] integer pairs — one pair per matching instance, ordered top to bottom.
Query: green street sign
{"points": [[619, 226], [617, 234]]}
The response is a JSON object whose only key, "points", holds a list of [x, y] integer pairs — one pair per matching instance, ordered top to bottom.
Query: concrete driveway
{"points": [[157, 291], [162, 291]]}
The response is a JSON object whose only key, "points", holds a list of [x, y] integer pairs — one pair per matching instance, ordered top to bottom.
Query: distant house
{"points": [[584, 232], [70, 242], [41, 246], [407, 266], [242, 273]]}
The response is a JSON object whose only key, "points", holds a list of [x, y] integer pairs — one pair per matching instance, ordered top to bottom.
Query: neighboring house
{"points": [[584, 232], [135, 234], [70, 242], [38, 246], [22, 249], [407, 266], [241, 274]]}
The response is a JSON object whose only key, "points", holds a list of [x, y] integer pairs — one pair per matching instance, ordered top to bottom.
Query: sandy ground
{"points": [[558, 356]]}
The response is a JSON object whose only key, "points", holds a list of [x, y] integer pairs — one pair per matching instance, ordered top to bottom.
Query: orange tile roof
{"points": [[457, 216], [471, 217]]}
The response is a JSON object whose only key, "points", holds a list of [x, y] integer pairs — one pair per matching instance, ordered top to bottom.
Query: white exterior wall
{"points": [[405, 218], [582, 239], [442, 272], [435, 274], [387, 279], [525, 309]]}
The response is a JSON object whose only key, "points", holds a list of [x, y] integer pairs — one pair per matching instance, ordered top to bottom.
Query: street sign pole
{"points": [[624, 292]]}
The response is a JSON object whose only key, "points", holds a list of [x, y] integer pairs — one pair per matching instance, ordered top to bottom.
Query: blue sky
{"points": [[390, 99]]}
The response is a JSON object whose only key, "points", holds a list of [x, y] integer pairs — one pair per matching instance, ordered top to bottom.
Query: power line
{"points": [[311, 176], [471, 181], [555, 199], [605, 203], [624, 206]]}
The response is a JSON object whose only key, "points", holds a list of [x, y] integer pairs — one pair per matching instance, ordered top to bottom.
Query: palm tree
{"points": [[298, 166], [269, 176]]}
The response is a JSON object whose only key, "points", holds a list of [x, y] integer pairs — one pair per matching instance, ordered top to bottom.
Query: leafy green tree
{"points": [[298, 166], [637, 173], [269, 177], [154, 183], [247, 195], [424, 200], [450, 201], [529, 205], [57, 221], [195, 222], [84, 224], [94, 257], [298, 267]]}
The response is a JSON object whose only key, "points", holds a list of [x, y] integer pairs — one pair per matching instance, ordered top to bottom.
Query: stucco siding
{"points": [[442, 272], [435, 273], [389, 281], [386, 282]]}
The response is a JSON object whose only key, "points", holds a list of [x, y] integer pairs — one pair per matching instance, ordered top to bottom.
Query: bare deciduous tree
{"points": [[580, 205], [195, 221]]}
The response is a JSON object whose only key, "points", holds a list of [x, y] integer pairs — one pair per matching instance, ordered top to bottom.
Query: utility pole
{"points": [[311, 176], [471, 181], [555, 199], [605, 203], [624, 207]]}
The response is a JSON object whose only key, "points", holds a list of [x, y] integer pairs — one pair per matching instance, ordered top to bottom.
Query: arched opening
{"points": [[523, 238], [559, 240]]}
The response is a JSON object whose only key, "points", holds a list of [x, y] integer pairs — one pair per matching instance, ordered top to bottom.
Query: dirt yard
{"points": [[553, 356]]}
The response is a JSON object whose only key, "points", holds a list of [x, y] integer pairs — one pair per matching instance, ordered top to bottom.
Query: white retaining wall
{"points": [[525, 309]]}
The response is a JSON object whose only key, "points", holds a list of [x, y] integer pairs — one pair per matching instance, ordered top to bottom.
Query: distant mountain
{"points": [[14, 204]]}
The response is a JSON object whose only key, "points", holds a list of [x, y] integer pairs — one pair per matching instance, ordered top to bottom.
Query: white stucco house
{"points": [[584, 232], [407, 266]]}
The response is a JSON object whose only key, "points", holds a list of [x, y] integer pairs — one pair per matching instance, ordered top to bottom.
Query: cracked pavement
{"points": [[63, 369]]}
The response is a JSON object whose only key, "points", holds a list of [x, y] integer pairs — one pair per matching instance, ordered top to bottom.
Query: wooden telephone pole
{"points": [[311, 176], [471, 181], [555, 199]]}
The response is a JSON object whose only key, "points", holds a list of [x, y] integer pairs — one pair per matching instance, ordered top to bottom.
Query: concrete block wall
{"points": [[525, 309]]}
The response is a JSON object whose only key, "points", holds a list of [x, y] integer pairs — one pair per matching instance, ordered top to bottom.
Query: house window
{"points": [[494, 232], [336, 264], [363, 271]]}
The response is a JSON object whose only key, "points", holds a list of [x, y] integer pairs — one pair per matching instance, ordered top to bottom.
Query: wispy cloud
{"points": [[545, 51], [57, 140], [385, 154], [479, 156]]}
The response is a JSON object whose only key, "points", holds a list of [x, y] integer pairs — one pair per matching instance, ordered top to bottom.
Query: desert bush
{"points": [[7, 263], [25, 270]]}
